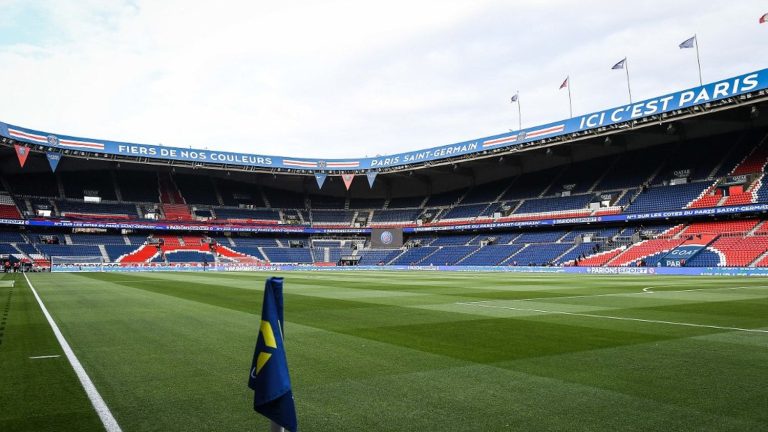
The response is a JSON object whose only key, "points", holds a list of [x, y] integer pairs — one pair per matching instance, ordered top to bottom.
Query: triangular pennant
{"points": [[21, 152], [53, 159], [320, 177], [371, 177], [347, 179]]}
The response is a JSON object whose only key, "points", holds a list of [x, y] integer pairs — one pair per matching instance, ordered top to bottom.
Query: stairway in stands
{"points": [[172, 203]]}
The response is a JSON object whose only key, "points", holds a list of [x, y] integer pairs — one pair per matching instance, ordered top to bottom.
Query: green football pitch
{"points": [[391, 351]]}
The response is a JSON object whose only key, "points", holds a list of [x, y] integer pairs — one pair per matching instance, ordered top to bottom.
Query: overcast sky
{"points": [[349, 78]]}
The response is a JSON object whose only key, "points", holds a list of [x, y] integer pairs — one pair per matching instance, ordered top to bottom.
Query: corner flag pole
{"points": [[698, 59]]}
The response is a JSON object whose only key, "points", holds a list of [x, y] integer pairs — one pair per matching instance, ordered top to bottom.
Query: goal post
{"points": [[77, 263]]}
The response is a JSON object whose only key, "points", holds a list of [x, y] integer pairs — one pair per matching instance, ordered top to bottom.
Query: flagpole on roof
{"points": [[698, 59], [625, 65], [567, 84], [519, 111]]}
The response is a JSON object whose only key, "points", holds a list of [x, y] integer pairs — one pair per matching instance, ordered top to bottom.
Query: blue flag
{"points": [[688, 43], [620, 64], [269, 377]]}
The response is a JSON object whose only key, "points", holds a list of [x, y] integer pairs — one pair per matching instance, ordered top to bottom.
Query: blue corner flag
{"points": [[269, 377]]}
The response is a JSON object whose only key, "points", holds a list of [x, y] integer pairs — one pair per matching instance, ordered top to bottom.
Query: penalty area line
{"points": [[610, 317], [107, 419]]}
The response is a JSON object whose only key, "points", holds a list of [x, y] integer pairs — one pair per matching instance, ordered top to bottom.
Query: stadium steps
{"points": [[659, 168], [602, 177], [552, 183], [60, 187], [116, 187], [620, 196], [219, 198], [704, 198], [265, 199], [28, 205], [756, 228], [68, 239], [642, 250], [402, 251], [104, 254], [429, 255], [468, 255], [557, 258], [601, 258], [761, 261]]}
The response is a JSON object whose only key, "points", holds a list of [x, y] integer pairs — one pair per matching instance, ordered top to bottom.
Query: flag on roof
{"points": [[764, 19], [688, 43], [621, 63], [565, 83], [514, 98]]}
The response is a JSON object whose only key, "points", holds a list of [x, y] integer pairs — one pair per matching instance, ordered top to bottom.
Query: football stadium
{"points": [[605, 271]]}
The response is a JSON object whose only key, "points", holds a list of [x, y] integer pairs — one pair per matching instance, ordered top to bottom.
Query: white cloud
{"points": [[348, 78]]}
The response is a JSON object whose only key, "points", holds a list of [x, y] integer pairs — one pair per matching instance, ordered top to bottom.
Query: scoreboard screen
{"points": [[386, 238]]}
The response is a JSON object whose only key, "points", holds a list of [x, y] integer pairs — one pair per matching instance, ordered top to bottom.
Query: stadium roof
{"points": [[710, 109]]}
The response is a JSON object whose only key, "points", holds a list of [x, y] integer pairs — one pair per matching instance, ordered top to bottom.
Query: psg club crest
{"points": [[521, 136], [53, 140], [322, 164], [386, 237]]}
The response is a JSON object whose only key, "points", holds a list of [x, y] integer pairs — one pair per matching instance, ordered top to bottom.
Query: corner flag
{"points": [[269, 377]]}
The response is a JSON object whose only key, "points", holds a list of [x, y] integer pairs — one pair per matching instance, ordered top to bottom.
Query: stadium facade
{"points": [[673, 182]]}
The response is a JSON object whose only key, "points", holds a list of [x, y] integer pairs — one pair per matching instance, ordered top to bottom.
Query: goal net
{"points": [[77, 263]]}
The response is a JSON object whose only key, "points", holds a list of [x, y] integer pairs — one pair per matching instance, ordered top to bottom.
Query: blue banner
{"points": [[719, 90], [53, 159], [320, 177], [371, 178], [300, 229], [632, 271]]}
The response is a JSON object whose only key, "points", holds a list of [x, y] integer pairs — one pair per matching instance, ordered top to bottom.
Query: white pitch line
{"points": [[648, 290], [624, 293], [617, 318], [45, 357], [107, 419]]}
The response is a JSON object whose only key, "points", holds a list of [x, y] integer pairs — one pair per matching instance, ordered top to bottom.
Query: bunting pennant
{"points": [[21, 152], [53, 160], [320, 177], [371, 177], [347, 179]]}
